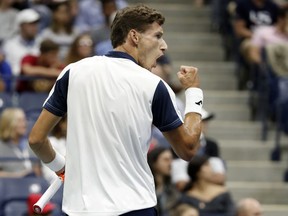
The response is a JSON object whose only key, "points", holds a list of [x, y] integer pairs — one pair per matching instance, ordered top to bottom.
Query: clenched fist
{"points": [[188, 77]]}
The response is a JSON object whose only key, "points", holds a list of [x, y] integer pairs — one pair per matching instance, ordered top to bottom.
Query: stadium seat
{"points": [[6, 100], [31, 103], [15, 191], [1, 197], [57, 199]]}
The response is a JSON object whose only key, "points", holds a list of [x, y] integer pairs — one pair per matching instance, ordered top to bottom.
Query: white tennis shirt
{"points": [[111, 103]]}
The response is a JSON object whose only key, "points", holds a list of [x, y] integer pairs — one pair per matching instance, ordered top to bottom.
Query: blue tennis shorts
{"points": [[142, 212]]}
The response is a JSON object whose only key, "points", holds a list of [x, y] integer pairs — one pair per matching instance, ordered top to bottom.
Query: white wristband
{"points": [[194, 100], [57, 163]]}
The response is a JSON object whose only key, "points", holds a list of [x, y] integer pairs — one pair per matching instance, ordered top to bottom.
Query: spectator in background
{"points": [[21, 4], [41, 7], [223, 10], [250, 14], [90, 15], [7, 19], [61, 29], [265, 35], [101, 36], [265, 40], [23, 43], [80, 48], [43, 69], [164, 69], [6, 78], [13, 145], [208, 147], [160, 160], [181, 178], [209, 198], [32, 199], [249, 207], [184, 210]]}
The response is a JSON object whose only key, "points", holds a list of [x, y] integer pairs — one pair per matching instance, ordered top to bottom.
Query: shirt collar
{"points": [[118, 54]]}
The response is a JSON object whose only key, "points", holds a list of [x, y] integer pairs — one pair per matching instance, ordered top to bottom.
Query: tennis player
{"points": [[111, 102]]}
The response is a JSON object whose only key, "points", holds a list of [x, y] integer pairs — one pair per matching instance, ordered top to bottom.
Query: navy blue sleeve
{"points": [[57, 102], [165, 117]]}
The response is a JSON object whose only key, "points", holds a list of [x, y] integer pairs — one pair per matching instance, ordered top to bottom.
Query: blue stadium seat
{"points": [[6, 100], [31, 103], [15, 191], [1, 197], [57, 199], [15, 208]]}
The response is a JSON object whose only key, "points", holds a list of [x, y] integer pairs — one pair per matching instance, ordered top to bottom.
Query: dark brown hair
{"points": [[54, 6], [137, 17], [48, 45], [73, 53], [152, 159], [194, 168]]}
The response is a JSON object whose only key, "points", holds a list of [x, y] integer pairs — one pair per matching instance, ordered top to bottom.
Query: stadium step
{"points": [[182, 40], [216, 75], [234, 129], [245, 149], [255, 171], [265, 192], [275, 210]]}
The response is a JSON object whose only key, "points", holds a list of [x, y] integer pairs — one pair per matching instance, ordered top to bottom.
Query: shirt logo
{"points": [[199, 103]]}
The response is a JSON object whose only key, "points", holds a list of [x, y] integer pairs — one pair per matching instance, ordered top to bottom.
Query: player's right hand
{"points": [[188, 77], [61, 174]]}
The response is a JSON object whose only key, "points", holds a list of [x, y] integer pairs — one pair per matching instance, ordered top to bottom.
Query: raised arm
{"points": [[185, 139]]}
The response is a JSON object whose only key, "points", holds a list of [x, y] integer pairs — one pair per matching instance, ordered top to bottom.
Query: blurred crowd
{"points": [[254, 36], [38, 38]]}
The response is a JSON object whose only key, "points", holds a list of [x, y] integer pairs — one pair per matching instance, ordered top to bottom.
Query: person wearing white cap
{"points": [[25, 41]]}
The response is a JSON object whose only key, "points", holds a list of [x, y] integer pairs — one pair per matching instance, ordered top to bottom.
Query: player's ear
{"points": [[134, 36]]}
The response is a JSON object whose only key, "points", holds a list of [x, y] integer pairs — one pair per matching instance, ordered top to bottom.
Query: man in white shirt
{"points": [[25, 42], [111, 103]]}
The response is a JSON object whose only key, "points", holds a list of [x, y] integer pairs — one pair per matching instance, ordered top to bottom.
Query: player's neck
{"points": [[129, 50]]}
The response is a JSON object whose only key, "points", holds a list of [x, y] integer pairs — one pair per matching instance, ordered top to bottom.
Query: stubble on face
{"points": [[151, 46]]}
